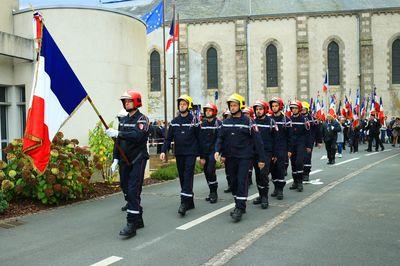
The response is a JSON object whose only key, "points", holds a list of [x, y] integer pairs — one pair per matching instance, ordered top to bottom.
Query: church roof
{"points": [[204, 9]]}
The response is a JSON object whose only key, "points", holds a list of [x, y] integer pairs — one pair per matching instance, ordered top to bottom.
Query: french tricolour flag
{"points": [[56, 95]]}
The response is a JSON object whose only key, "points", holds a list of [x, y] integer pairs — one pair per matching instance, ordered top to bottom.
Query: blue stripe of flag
{"points": [[64, 83]]}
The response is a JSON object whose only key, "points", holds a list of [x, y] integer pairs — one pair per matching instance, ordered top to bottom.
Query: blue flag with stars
{"points": [[154, 18]]}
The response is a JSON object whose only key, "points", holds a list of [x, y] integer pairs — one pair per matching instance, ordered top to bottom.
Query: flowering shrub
{"points": [[67, 176]]}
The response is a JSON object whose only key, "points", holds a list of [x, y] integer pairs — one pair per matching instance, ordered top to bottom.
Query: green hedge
{"points": [[170, 172], [3, 203]]}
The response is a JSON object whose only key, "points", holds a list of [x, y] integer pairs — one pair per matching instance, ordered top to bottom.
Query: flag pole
{"points": [[179, 56], [173, 62], [165, 80]]}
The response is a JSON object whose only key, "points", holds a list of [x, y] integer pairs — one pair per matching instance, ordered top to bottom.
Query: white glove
{"points": [[112, 133], [114, 165]]}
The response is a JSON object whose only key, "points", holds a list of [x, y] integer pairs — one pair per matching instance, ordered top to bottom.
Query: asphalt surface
{"points": [[348, 216]]}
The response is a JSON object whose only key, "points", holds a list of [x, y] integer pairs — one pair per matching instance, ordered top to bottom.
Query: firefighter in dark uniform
{"points": [[249, 112], [373, 126], [267, 127], [330, 128], [184, 131], [132, 137], [208, 138], [316, 138], [237, 139], [282, 143], [301, 144]]}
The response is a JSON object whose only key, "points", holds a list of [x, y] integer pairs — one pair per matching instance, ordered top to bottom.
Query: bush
{"points": [[102, 148], [170, 171], [67, 176], [3, 203]]}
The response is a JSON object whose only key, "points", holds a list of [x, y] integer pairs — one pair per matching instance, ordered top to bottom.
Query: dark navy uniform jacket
{"points": [[268, 129], [316, 130], [184, 131], [301, 132], [208, 136], [132, 137], [239, 137], [283, 137]]}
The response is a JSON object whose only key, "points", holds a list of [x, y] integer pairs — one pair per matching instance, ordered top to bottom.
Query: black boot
{"points": [[306, 177], [293, 186], [300, 187], [228, 190], [275, 193], [279, 195], [213, 197], [257, 201], [264, 202], [190, 204], [124, 208], [182, 209], [236, 215], [140, 223], [128, 231]]}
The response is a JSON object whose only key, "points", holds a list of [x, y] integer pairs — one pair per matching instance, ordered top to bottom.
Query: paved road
{"points": [[348, 216]]}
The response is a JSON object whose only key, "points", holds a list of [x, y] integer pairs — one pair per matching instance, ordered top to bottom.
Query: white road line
{"points": [[388, 150], [369, 154], [324, 157], [347, 161], [210, 215], [248, 239], [107, 261]]}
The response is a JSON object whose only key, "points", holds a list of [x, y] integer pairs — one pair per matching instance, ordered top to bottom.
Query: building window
{"points": [[396, 62], [333, 63], [272, 66], [212, 68], [155, 71], [4, 104], [22, 109]]}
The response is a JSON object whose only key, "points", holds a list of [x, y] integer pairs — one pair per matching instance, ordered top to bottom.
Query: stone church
{"points": [[264, 48]]}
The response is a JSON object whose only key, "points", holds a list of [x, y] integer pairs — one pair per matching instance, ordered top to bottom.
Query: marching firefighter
{"points": [[249, 112], [226, 115], [373, 126], [267, 128], [330, 129], [184, 131], [131, 137], [208, 137], [316, 138], [237, 140], [282, 143], [301, 143]]}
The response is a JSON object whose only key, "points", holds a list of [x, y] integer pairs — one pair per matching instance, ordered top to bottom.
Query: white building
{"points": [[105, 48]]}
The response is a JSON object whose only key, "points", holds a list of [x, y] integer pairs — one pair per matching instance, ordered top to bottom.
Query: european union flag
{"points": [[154, 18]]}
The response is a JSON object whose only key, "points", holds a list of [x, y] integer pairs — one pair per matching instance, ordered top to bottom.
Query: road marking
{"points": [[388, 150], [369, 154], [324, 157], [347, 161], [219, 211], [247, 240], [151, 242], [107, 261]]}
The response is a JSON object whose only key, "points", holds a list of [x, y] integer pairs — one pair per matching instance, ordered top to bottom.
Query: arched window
{"points": [[396, 62], [333, 64], [272, 66], [212, 68], [155, 71]]}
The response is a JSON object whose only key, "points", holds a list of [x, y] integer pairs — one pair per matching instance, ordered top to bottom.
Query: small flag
{"points": [[154, 19], [173, 33], [325, 86], [57, 94]]}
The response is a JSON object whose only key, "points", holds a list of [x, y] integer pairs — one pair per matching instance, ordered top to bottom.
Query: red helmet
{"points": [[134, 96], [276, 100], [263, 104], [297, 104], [211, 106], [249, 110]]}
